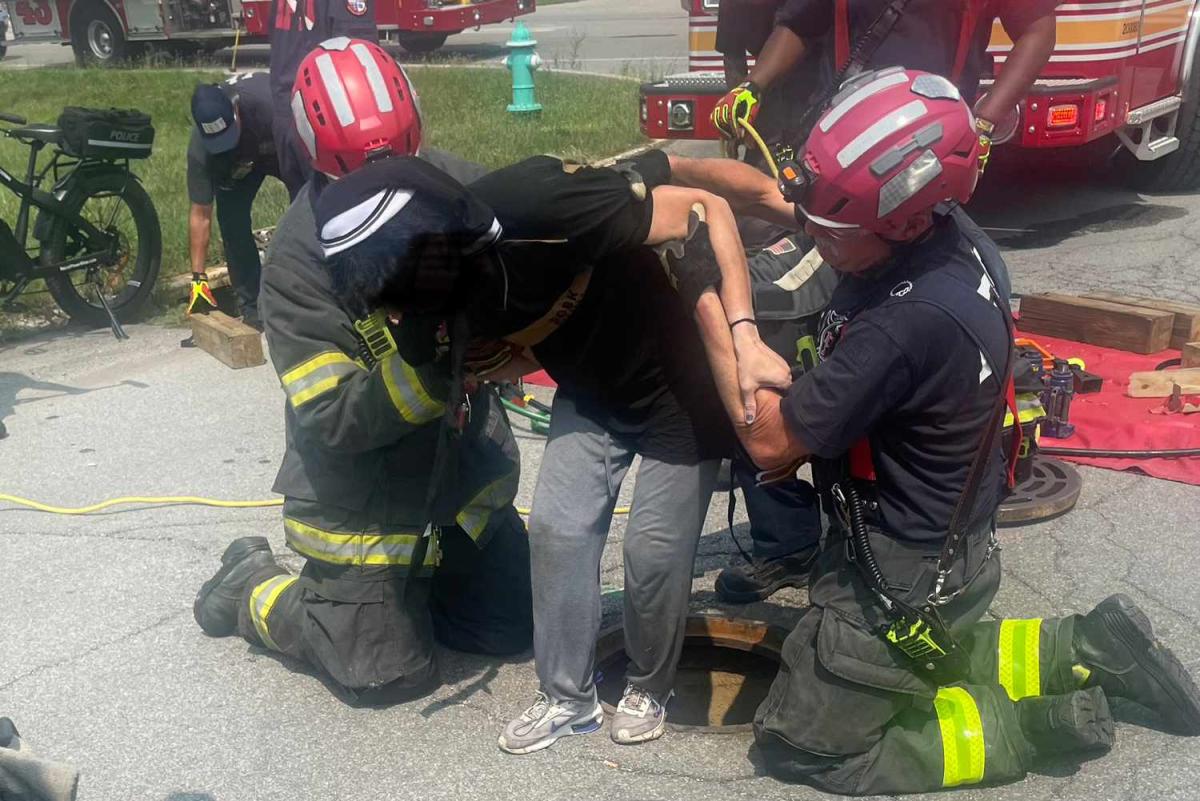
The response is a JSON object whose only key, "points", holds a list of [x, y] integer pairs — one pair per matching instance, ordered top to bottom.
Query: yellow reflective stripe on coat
{"points": [[315, 377], [408, 394], [474, 517], [368, 548], [262, 600], [1019, 669], [963, 755]]}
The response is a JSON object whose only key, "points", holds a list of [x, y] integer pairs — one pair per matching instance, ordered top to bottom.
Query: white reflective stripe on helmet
{"points": [[336, 43], [374, 77], [333, 86], [850, 103], [893, 122], [303, 126], [900, 189], [823, 222], [357, 223], [487, 240]]}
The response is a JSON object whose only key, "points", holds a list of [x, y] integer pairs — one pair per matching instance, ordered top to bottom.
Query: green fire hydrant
{"points": [[521, 62]]}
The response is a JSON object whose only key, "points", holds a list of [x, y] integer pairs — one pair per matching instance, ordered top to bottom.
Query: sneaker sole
{"points": [[234, 553], [734, 597], [1129, 625], [585, 727], [644, 737]]}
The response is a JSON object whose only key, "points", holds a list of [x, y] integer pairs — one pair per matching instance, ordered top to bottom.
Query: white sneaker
{"points": [[640, 717], [544, 722]]}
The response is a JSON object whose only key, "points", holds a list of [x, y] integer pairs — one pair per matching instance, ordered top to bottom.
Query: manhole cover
{"points": [[1051, 490], [725, 671]]}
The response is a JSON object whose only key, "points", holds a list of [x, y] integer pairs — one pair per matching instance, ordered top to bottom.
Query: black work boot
{"points": [[761, 578], [216, 607], [1115, 645], [1064, 724]]}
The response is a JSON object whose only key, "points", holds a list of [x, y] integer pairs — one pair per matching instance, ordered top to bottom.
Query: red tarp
{"points": [[1108, 420]]}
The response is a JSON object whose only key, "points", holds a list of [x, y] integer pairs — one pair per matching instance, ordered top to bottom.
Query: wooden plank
{"points": [[218, 277], [1187, 315], [1098, 322], [230, 341], [1191, 354], [1159, 383]]}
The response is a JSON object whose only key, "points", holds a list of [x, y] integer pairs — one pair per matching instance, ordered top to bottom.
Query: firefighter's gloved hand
{"points": [[740, 103], [985, 152], [201, 299]]}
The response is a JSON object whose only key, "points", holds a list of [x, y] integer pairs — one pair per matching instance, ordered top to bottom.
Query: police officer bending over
{"points": [[231, 151], [407, 536], [893, 682]]}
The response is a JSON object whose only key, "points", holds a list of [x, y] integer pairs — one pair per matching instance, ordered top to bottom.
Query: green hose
{"points": [[540, 421]]}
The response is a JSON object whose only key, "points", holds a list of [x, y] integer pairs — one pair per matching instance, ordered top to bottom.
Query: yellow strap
{"points": [[559, 313], [408, 394], [262, 601], [1019, 669], [963, 753]]}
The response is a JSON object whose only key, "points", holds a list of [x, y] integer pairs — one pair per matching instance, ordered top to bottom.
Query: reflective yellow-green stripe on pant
{"points": [[262, 600], [1019, 662], [963, 747]]}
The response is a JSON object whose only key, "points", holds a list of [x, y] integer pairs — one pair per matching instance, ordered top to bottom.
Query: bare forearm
{"points": [[783, 50], [1030, 52], [747, 190], [199, 232], [731, 259], [718, 345]]}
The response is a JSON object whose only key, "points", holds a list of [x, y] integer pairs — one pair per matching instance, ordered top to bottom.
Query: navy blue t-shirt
{"points": [[909, 377]]}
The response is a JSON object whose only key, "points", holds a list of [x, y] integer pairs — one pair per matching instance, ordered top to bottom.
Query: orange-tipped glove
{"points": [[740, 103], [200, 292]]}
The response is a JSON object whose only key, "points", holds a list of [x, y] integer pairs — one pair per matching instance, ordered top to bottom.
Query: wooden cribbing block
{"points": [[1098, 322], [1186, 327], [230, 341], [1191, 354], [1159, 383]]}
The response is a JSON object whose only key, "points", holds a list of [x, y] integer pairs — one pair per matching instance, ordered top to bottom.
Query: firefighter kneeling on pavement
{"points": [[392, 563], [893, 681]]}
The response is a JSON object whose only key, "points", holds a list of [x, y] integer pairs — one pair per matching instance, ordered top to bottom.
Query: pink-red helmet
{"points": [[352, 102], [891, 144]]}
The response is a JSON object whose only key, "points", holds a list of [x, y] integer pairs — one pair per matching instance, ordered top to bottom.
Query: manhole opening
{"points": [[720, 682]]}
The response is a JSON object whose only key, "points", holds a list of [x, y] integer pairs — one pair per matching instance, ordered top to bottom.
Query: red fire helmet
{"points": [[352, 102], [891, 144]]}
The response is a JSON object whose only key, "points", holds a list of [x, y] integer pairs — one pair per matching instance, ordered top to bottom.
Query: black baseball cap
{"points": [[213, 112]]}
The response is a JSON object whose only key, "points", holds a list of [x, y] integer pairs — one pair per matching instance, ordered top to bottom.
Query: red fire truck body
{"points": [[107, 30], [1122, 68]]}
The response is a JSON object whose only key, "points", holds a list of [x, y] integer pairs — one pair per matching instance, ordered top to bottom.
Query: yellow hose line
{"points": [[762, 146], [158, 500]]}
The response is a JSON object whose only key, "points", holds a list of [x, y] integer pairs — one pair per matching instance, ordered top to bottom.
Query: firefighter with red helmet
{"points": [[946, 38], [397, 554], [894, 681]]}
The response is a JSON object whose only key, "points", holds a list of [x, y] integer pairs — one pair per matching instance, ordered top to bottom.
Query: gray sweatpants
{"points": [[577, 488]]}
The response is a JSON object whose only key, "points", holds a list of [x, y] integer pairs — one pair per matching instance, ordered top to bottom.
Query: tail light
{"points": [[1101, 109], [1064, 116]]}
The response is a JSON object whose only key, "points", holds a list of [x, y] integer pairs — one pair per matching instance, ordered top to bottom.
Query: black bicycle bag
{"points": [[111, 134]]}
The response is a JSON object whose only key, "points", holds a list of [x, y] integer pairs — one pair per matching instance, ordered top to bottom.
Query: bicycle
{"points": [[96, 229]]}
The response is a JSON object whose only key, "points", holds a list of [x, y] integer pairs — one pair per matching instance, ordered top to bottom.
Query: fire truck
{"points": [[105, 31], [1124, 73]]}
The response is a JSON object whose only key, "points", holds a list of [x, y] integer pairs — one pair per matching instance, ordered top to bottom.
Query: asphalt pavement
{"points": [[102, 666]]}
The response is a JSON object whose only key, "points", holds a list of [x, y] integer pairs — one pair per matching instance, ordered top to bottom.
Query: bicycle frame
{"points": [[50, 203]]}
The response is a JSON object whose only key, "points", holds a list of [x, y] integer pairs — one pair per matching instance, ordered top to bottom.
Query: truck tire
{"points": [[97, 36], [419, 43], [1179, 171]]}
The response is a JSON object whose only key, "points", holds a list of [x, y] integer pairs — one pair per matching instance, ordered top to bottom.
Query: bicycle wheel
{"points": [[113, 201]]}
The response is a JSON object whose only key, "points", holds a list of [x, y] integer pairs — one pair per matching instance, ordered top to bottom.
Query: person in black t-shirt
{"points": [[743, 26], [230, 153], [550, 263], [892, 682]]}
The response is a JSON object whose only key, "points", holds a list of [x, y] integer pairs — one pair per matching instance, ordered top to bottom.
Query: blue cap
{"points": [[213, 112]]}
